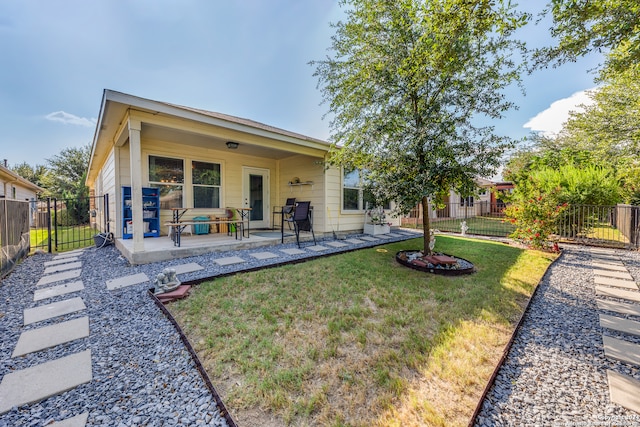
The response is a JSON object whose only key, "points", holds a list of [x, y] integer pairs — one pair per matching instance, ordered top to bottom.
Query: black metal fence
{"points": [[66, 224], [610, 226], [14, 233]]}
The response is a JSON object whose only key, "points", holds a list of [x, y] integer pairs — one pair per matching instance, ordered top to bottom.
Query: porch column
{"points": [[135, 161]]}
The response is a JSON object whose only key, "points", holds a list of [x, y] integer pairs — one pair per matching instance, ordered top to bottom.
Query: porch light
{"points": [[232, 145]]}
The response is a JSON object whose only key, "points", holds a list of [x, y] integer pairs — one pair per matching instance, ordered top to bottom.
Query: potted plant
{"points": [[375, 222]]}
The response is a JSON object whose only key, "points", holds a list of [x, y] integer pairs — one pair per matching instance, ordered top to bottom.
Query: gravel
{"points": [[555, 372], [142, 373]]}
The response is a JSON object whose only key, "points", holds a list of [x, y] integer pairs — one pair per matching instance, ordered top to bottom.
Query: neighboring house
{"points": [[207, 161], [15, 187], [457, 206]]}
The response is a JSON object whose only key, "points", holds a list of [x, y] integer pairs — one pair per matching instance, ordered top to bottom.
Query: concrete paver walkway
{"points": [[610, 271], [48, 311], [51, 336], [56, 376], [46, 379]]}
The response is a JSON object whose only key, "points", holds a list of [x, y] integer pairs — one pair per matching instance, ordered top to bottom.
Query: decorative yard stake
{"points": [[464, 228]]}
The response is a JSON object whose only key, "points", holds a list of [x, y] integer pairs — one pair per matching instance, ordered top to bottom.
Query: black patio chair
{"points": [[284, 211], [302, 220]]}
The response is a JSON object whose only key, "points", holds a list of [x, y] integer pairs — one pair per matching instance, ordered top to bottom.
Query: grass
{"points": [[479, 225], [69, 238], [358, 340]]}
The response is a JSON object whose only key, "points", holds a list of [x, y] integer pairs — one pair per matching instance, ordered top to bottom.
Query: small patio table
{"points": [[244, 214]]}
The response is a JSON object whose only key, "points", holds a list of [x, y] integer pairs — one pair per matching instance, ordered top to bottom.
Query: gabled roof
{"points": [[117, 106], [10, 176]]}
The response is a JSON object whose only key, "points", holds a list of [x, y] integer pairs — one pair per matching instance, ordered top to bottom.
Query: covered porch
{"points": [[208, 164], [163, 248]]}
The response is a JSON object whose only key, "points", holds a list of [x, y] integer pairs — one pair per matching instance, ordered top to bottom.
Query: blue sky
{"points": [[246, 58]]}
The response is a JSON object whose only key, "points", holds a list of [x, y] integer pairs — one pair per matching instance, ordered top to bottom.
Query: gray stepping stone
{"points": [[396, 234], [384, 236], [369, 238], [354, 241], [336, 244], [317, 248], [293, 251], [602, 251], [64, 255], [264, 255], [606, 258], [229, 260], [61, 261], [605, 266], [62, 267], [187, 268], [611, 273], [58, 277], [125, 281], [618, 283], [58, 290], [618, 293], [619, 307], [48, 311], [619, 324], [51, 336], [624, 351], [44, 380], [624, 390], [79, 420]]}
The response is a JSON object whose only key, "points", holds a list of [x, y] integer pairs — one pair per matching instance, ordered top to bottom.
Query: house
{"points": [[207, 161], [15, 187], [457, 206]]}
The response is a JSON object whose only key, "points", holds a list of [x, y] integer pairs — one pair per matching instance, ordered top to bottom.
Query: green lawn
{"points": [[480, 225], [69, 238], [358, 340]]}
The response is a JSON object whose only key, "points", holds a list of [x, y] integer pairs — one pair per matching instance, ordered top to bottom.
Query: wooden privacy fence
{"points": [[610, 226], [14, 233]]}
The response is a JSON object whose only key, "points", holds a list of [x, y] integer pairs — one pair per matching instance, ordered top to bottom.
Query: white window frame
{"points": [[193, 185]]}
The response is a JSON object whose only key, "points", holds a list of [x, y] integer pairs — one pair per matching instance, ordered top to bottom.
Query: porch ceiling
{"points": [[161, 133]]}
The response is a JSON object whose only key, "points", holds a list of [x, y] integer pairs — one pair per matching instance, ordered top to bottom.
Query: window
{"points": [[168, 175], [206, 185], [354, 196], [351, 199], [466, 201]]}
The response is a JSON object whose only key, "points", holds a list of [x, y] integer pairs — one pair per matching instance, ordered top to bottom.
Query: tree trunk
{"points": [[426, 225]]}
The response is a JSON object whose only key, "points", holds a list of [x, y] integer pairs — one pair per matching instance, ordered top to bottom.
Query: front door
{"points": [[255, 189]]}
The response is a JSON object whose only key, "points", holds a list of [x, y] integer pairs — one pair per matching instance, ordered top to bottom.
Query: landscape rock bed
{"points": [[437, 263], [555, 371], [142, 372]]}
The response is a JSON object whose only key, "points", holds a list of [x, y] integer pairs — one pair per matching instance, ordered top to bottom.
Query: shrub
{"points": [[536, 219]]}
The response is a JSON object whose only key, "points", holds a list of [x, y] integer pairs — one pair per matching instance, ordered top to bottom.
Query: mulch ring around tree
{"points": [[436, 263]]}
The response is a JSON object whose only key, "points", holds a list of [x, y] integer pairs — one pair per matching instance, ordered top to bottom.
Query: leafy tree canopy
{"points": [[582, 26], [405, 86], [68, 172], [36, 174]]}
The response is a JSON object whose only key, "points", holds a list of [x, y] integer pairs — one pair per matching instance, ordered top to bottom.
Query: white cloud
{"points": [[70, 119], [549, 122]]}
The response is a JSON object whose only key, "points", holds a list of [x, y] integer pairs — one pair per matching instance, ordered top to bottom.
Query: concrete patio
{"points": [[162, 248]]}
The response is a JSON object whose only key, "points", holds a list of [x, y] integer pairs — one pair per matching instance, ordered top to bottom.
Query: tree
{"points": [[582, 26], [407, 83], [610, 126], [606, 134], [68, 171], [36, 174], [67, 180]]}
